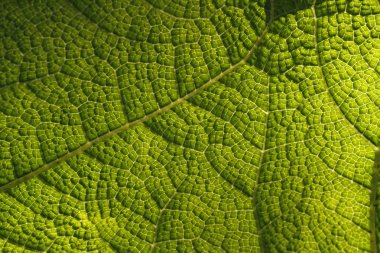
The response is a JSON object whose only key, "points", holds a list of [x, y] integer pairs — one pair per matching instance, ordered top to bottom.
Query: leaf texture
{"points": [[189, 126]]}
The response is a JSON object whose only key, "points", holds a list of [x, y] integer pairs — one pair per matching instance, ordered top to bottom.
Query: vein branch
{"points": [[134, 123]]}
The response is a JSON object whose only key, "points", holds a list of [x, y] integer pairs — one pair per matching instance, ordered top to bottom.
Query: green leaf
{"points": [[189, 126]]}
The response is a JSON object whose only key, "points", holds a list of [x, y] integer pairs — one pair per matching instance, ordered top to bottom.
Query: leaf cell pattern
{"points": [[189, 126]]}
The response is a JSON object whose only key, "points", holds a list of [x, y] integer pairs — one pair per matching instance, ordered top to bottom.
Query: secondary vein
{"points": [[132, 124]]}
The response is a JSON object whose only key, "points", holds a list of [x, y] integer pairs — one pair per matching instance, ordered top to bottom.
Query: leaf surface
{"points": [[189, 126]]}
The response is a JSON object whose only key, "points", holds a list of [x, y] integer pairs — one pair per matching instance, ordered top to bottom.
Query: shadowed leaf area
{"points": [[189, 126]]}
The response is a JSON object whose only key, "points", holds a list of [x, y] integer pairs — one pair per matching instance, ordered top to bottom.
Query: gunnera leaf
{"points": [[189, 126]]}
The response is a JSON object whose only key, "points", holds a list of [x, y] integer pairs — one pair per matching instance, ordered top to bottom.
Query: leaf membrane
{"points": [[197, 126]]}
